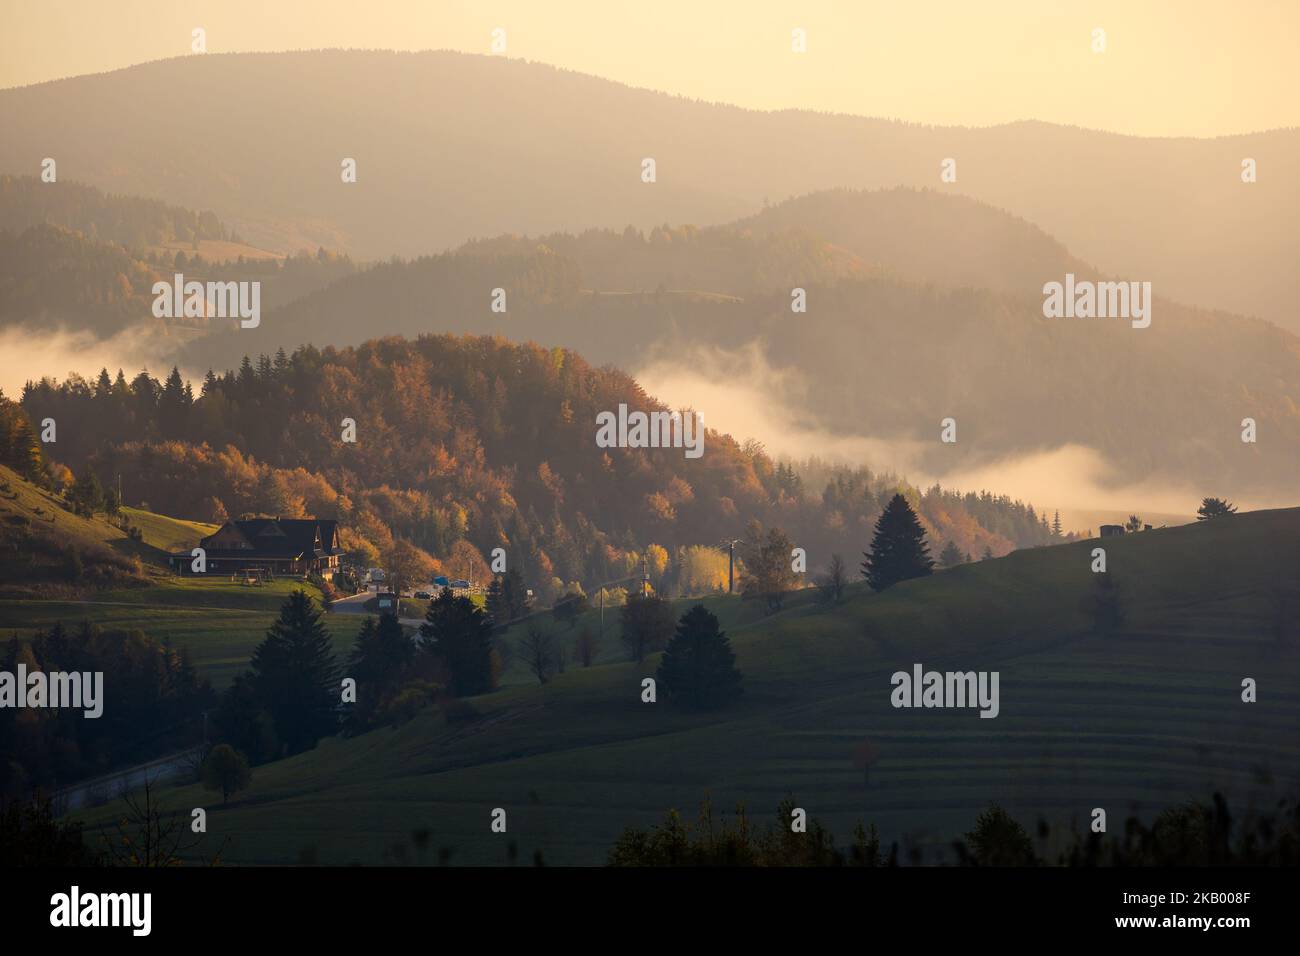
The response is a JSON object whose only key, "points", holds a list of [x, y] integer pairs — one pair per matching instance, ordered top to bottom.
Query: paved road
{"points": [[356, 604], [112, 785]]}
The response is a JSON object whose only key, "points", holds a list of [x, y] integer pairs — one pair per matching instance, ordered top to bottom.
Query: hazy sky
{"points": [[1171, 67]]}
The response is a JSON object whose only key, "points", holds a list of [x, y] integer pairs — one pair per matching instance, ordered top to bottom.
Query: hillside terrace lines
{"points": [[180, 608]]}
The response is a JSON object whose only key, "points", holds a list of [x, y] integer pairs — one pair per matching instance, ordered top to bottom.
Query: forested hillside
{"points": [[561, 150], [131, 221], [53, 279], [927, 290], [470, 439]]}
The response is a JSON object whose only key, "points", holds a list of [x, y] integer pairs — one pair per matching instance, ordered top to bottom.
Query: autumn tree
{"points": [[463, 562], [407, 566], [768, 573], [835, 580], [586, 647], [538, 650], [225, 769]]}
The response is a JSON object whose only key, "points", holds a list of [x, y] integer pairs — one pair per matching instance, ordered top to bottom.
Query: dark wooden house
{"points": [[292, 547]]}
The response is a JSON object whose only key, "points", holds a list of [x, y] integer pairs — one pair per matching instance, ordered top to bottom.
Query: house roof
{"points": [[278, 538]]}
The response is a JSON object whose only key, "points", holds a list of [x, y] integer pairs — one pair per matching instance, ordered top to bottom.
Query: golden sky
{"points": [[1171, 67]]}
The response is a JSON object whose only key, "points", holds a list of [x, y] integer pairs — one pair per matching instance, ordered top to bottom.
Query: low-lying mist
{"points": [[28, 354], [739, 392]]}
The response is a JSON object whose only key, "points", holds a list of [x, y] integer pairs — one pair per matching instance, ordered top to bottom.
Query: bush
{"points": [[225, 770]]}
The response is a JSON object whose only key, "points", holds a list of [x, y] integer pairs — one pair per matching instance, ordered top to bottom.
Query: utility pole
{"points": [[731, 564]]}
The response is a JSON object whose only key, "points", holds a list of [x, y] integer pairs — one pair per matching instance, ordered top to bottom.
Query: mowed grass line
{"points": [[218, 624], [1086, 720]]}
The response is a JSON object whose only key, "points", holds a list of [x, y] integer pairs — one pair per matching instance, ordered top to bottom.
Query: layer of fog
{"points": [[28, 354], [740, 393]]}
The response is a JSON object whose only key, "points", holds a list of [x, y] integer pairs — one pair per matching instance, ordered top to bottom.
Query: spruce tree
{"points": [[898, 550], [950, 556], [507, 598], [458, 635], [698, 668], [296, 677]]}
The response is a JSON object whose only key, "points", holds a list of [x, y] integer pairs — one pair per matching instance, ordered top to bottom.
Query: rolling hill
{"points": [[453, 146], [904, 287], [1133, 720]]}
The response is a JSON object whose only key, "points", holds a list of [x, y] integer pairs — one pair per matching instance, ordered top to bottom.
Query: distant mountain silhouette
{"points": [[452, 146], [884, 350]]}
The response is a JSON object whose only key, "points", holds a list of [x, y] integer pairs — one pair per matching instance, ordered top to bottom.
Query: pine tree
{"points": [[173, 409], [87, 494], [1214, 508], [1056, 524], [898, 550], [950, 556], [507, 598], [458, 635], [381, 654], [381, 659], [698, 667], [295, 675]]}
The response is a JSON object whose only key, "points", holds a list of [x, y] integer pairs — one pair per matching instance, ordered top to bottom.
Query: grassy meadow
{"points": [[1132, 721]]}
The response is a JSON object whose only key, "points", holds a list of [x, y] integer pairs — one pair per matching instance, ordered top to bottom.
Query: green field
{"points": [[44, 511], [168, 534], [216, 622], [1134, 721]]}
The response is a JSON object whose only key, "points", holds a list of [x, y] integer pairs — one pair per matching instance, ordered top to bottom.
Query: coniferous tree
{"points": [[20, 448], [87, 494], [1214, 508], [1056, 524], [898, 550], [950, 556], [507, 598], [458, 635], [380, 660], [698, 667], [295, 675], [242, 720]]}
